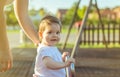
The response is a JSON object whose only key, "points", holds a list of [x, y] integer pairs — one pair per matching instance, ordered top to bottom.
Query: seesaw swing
{"points": [[71, 71]]}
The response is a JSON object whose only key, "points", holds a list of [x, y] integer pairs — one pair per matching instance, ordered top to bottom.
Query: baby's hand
{"points": [[64, 55], [69, 61]]}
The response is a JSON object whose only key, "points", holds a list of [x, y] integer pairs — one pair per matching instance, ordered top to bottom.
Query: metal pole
{"points": [[73, 19], [81, 30], [104, 39], [67, 68], [70, 71]]}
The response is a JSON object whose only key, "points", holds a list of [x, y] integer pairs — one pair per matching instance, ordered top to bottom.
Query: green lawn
{"points": [[65, 30], [13, 31]]}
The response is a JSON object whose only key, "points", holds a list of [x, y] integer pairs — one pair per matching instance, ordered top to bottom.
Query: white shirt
{"points": [[40, 68]]}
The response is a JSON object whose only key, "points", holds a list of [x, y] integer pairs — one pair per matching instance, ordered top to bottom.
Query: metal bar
{"points": [[73, 19], [81, 29], [104, 38], [67, 68], [70, 71]]}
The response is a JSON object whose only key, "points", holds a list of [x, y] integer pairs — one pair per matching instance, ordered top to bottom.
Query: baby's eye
{"points": [[49, 32], [57, 32]]}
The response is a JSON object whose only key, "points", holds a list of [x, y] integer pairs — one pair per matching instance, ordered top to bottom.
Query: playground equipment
{"points": [[71, 24], [83, 25], [79, 36], [77, 42], [70, 71]]}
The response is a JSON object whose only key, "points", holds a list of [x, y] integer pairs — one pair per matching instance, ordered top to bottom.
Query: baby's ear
{"points": [[40, 34]]}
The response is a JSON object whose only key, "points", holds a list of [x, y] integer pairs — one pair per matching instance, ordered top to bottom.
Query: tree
{"points": [[42, 12], [81, 12], [10, 16], [68, 16]]}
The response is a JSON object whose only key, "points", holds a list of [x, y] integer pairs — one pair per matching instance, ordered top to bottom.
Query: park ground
{"points": [[89, 62]]}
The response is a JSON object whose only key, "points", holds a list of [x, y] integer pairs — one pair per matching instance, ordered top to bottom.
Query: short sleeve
{"points": [[46, 52]]}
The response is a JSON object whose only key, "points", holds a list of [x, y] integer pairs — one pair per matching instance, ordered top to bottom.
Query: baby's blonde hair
{"points": [[48, 20]]}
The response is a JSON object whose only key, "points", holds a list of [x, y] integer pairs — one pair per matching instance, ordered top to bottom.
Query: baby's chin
{"points": [[53, 44]]}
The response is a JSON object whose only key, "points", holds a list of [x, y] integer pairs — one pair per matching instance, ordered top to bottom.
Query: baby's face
{"points": [[51, 34]]}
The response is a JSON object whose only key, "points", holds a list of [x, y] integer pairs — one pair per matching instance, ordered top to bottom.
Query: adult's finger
{"points": [[10, 64], [4, 66]]}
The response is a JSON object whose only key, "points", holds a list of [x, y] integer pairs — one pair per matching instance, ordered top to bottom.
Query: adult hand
{"points": [[5, 61]]}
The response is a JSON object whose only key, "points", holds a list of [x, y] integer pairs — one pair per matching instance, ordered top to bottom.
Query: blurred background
{"points": [[64, 10], [98, 53]]}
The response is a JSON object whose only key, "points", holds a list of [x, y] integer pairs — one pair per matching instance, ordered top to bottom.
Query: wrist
{"points": [[37, 43], [66, 64]]}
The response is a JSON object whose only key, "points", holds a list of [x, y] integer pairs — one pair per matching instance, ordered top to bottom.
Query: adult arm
{"points": [[21, 12], [5, 53]]}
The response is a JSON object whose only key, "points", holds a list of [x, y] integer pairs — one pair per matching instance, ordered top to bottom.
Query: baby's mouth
{"points": [[53, 39]]}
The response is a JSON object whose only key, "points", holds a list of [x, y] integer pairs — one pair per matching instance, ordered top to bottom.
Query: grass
{"points": [[64, 30], [13, 31], [27, 45], [60, 45], [91, 45]]}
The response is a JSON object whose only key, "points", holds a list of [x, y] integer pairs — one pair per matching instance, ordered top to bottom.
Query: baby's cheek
{"points": [[59, 38]]}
